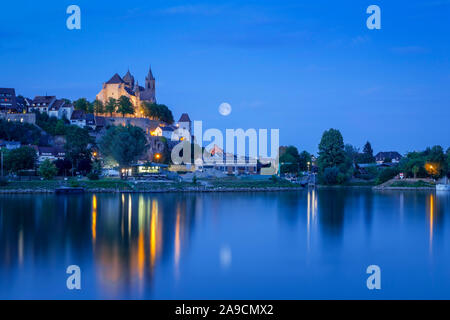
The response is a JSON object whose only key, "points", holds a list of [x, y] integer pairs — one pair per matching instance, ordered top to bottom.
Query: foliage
{"points": [[83, 104], [111, 106], [124, 106], [99, 108], [158, 112], [51, 125], [24, 132], [77, 142], [124, 144], [332, 155], [367, 155], [22, 158], [289, 159], [303, 160], [430, 162], [63, 166], [84, 166], [47, 170], [333, 175], [386, 175], [93, 176], [3, 182], [74, 183], [415, 184]]}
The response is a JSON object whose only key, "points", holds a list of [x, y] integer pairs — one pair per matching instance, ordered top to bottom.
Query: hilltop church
{"points": [[126, 86]]}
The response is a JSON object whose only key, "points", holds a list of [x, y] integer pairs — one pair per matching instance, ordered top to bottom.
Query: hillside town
{"points": [[124, 133]]}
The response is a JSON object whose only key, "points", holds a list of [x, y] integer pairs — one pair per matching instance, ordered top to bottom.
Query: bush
{"points": [[47, 170], [331, 175], [386, 175], [93, 176], [3, 182], [74, 183]]}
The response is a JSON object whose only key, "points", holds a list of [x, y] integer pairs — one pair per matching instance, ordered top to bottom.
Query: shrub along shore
{"points": [[112, 186]]}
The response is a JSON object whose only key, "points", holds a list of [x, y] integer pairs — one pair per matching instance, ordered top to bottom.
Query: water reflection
{"points": [[134, 245]]}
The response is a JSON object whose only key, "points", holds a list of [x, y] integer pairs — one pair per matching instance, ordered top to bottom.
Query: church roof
{"points": [[128, 78], [115, 79], [184, 118]]}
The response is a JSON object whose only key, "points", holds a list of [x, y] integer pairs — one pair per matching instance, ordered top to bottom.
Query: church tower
{"points": [[128, 79], [150, 81]]}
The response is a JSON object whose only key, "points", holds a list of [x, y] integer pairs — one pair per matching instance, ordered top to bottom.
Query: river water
{"points": [[314, 244]]}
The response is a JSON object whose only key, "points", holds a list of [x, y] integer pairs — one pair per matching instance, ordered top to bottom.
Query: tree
{"points": [[82, 104], [111, 106], [124, 106], [98, 107], [158, 112], [15, 131], [77, 142], [124, 144], [331, 149], [352, 153], [368, 153], [332, 154], [447, 154], [22, 158], [289, 159], [303, 161], [436, 164], [63, 166], [47, 170], [415, 171]]}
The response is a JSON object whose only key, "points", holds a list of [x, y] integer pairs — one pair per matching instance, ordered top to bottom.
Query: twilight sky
{"points": [[300, 66]]}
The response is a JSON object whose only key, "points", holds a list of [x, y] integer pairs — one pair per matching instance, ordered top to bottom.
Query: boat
{"points": [[443, 187], [69, 190]]}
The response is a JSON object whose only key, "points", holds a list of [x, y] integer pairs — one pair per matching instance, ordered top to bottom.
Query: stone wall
{"points": [[19, 117]]}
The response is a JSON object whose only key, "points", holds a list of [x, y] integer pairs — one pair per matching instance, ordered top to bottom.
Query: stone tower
{"points": [[129, 80], [150, 81]]}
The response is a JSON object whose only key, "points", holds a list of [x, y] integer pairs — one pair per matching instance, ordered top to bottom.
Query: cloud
{"points": [[410, 50]]}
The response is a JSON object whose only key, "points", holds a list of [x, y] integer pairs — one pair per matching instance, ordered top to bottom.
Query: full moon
{"points": [[224, 109]]}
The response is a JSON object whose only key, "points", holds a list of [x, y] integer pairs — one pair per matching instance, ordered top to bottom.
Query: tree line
{"points": [[124, 106], [337, 162]]}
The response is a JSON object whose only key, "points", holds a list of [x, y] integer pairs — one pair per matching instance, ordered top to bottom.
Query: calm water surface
{"points": [[307, 244]]}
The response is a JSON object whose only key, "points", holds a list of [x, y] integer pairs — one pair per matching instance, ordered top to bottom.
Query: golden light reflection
{"points": [[311, 214], [129, 215], [94, 218], [431, 220], [153, 232], [177, 238], [141, 249], [141, 254]]}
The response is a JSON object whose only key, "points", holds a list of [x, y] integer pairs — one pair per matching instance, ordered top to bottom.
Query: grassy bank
{"points": [[116, 185]]}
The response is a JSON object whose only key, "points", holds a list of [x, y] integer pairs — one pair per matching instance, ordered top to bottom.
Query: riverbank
{"points": [[407, 184], [121, 186]]}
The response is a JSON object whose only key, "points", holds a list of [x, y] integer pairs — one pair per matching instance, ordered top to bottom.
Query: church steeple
{"points": [[150, 74], [129, 79]]}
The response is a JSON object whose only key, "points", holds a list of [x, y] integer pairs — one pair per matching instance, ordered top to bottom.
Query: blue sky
{"points": [[300, 66]]}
